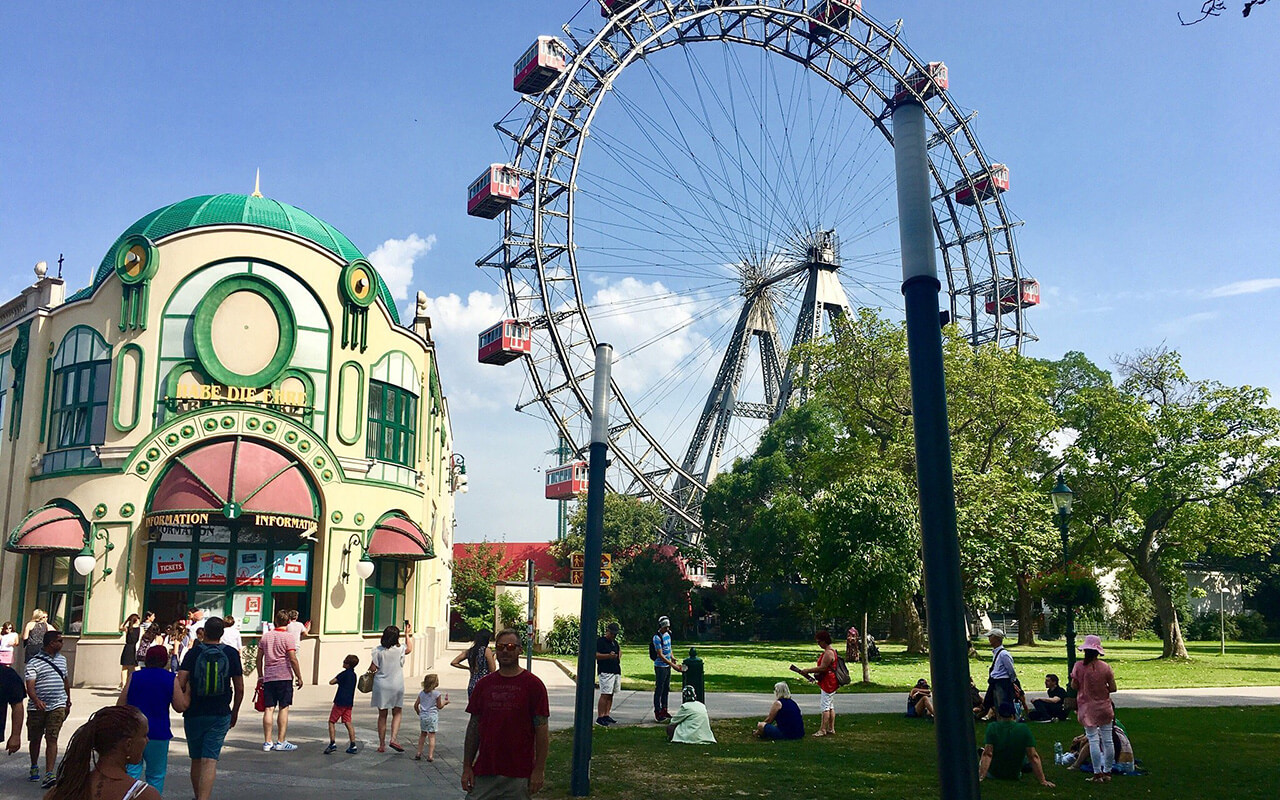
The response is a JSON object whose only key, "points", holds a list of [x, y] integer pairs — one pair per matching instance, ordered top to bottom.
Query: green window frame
{"points": [[6, 384], [81, 388], [393, 424], [60, 591], [383, 597]]}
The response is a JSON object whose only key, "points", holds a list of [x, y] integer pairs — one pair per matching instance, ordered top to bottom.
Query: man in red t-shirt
{"points": [[505, 754]]}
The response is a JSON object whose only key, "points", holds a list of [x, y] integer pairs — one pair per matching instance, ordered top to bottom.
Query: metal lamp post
{"points": [[1062, 497]]}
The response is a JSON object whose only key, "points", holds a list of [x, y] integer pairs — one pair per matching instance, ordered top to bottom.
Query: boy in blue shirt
{"points": [[343, 701]]}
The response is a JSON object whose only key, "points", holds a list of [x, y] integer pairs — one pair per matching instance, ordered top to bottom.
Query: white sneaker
{"points": [[268, 746], [286, 746]]}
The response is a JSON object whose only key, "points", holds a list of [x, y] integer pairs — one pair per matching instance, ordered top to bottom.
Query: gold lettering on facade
{"points": [[216, 393], [188, 518], [290, 523]]}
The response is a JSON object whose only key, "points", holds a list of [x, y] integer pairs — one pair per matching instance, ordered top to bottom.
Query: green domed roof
{"points": [[237, 209]]}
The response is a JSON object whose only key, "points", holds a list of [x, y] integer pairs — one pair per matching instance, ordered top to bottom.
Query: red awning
{"points": [[253, 477], [50, 529], [400, 538]]}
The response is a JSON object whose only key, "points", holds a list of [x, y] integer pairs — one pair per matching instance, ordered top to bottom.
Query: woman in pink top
{"points": [[1094, 682]]}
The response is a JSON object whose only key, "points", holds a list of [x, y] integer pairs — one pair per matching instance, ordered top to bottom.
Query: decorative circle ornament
{"points": [[136, 260], [359, 283], [245, 331], [127, 510]]}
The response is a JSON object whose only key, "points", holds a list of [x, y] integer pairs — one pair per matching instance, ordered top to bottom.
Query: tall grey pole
{"points": [[528, 625], [948, 635], [583, 716]]}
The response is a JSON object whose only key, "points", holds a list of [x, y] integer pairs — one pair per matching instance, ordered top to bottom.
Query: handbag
{"points": [[365, 682], [259, 698]]}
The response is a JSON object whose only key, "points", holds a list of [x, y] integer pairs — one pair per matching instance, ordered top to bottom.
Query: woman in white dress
{"points": [[387, 666]]}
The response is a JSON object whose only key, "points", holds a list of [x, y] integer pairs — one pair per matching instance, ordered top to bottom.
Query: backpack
{"points": [[653, 648], [841, 669], [210, 675]]}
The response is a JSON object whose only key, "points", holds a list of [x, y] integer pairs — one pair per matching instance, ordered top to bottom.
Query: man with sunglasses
{"points": [[505, 753]]}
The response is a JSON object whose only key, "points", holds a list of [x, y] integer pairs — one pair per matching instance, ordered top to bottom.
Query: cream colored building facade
{"points": [[231, 417]]}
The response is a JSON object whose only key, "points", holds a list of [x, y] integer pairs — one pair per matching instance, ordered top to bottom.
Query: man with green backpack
{"points": [[212, 677]]}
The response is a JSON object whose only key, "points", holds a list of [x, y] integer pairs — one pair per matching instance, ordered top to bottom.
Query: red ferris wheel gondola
{"points": [[540, 65], [984, 187], [495, 189], [505, 342], [567, 481]]}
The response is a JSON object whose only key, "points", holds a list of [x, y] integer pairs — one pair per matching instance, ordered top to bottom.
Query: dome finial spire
{"points": [[257, 180]]}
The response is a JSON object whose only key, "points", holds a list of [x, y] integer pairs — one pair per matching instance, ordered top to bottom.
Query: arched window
{"points": [[81, 385], [392, 435]]}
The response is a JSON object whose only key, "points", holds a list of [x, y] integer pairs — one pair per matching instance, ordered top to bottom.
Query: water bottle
{"points": [[1057, 752]]}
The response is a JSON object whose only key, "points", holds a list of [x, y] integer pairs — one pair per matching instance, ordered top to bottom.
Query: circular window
{"points": [[244, 331]]}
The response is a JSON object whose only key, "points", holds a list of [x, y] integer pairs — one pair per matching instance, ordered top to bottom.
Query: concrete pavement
{"points": [[247, 771]]}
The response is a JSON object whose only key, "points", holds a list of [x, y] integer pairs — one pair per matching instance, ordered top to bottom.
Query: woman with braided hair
{"points": [[94, 765]]}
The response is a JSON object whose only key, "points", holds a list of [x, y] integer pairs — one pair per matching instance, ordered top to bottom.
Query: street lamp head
{"points": [[1062, 497], [83, 564], [364, 568]]}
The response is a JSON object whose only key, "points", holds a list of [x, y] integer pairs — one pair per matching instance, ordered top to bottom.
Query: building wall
{"points": [[353, 490]]}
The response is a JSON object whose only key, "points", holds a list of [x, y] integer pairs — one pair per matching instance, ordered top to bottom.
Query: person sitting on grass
{"points": [[920, 700], [975, 700], [1054, 708], [784, 720], [690, 724], [1007, 747], [1123, 762]]}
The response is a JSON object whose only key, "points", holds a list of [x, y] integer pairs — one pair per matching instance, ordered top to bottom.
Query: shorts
{"points": [[609, 682], [277, 693], [826, 700], [340, 714], [429, 721], [41, 724], [205, 735], [499, 787]]}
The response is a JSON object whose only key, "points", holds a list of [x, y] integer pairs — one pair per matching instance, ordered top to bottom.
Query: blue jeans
{"points": [[661, 687], [156, 760]]}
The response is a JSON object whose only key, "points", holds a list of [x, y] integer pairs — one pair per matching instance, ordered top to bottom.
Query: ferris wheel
{"points": [[707, 184]]}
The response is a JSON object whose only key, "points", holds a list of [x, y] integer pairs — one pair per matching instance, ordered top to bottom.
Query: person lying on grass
{"points": [[784, 720], [690, 724], [1008, 746]]}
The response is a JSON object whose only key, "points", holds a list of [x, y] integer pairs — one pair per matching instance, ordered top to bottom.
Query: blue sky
{"points": [[1142, 157]]}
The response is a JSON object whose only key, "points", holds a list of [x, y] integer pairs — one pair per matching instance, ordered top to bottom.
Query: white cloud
{"points": [[394, 260], [1252, 286], [1179, 325], [651, 328]]}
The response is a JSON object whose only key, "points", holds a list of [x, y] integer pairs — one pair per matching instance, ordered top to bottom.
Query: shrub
{"points": [[1135, 611], [565, 630]]}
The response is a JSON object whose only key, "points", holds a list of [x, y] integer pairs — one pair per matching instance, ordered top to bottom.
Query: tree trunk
{"points": [[1026, 612], [897, 626], [1170, 629], [917, 643], [866, 665]]}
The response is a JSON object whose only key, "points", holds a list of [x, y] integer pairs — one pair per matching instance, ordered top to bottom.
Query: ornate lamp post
{"points": [[1062, 497]]}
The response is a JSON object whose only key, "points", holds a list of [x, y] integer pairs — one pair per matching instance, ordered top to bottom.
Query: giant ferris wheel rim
{"points": [[534, 145]]}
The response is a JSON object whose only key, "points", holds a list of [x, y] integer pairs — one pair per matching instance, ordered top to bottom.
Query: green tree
{"points": [[1001, 417], [1163, 466], [630, 525], [863, 553], [474, 576], [650, 585]]}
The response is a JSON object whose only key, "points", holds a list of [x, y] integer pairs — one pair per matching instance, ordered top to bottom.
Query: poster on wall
{"points": [[169, 567], [251, 567], [212, 569], [289, 569], [246, 607]]}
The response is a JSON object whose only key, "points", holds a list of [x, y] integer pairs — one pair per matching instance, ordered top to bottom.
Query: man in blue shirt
{"points": [[660, 649], [1001, 675]]}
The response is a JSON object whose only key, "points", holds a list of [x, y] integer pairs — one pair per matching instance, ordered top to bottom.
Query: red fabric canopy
{"points": [[258, 478], [50, 529], [400, 538]]}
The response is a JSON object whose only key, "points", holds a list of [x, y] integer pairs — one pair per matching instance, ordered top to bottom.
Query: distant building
{"points": [[229, 418]]}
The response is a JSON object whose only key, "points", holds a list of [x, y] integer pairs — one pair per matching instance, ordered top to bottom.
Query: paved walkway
{"points": [[247, 771]]}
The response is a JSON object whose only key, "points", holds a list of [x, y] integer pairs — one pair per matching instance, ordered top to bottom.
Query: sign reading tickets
{"points": [[169, 567], [251, 568], [289, 569], [212, 570]]}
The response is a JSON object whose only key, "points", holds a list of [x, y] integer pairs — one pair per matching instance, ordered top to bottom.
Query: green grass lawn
{"points": [[756, 666], [1192, 753]]}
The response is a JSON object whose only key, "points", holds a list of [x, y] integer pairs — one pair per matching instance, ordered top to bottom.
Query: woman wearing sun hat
{"points": [[1094, 682]]}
